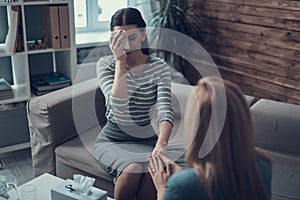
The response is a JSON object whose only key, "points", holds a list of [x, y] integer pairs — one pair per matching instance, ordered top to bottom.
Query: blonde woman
{"points": [[233, 169]]}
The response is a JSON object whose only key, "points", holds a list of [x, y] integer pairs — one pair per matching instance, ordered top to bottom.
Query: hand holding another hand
{"points": [[159, 149], [171, 164], [161, 168], [158, 174]]}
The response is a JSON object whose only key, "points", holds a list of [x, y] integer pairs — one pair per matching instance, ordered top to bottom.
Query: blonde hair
{"points": [[232, 161]]}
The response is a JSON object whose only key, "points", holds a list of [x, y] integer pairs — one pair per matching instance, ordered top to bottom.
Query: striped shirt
{"points": [[145, 89]]}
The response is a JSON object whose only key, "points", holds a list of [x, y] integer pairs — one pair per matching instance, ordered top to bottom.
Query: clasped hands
{"points": [[161, 168]]}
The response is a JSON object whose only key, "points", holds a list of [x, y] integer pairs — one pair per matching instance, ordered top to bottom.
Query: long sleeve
{"points": [[105, 74], [149, 87], [164, 101]]}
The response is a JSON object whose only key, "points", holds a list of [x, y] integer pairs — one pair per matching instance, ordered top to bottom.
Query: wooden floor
{"points": [[19, 164]]}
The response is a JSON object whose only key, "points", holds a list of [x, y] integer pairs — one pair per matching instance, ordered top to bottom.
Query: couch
{"points": [[64, 124], [277, 132]]}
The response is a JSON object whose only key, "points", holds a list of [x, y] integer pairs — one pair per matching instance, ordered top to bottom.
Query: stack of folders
{"points": [[55, 26], [43, 84], [6, 91]]}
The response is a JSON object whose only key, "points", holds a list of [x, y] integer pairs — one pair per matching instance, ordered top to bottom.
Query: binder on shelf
{"points": [[50, 26], [64, 26]]}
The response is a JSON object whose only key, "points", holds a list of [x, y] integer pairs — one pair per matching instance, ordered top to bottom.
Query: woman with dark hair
{"points": [[132, 82], [233, 169]]}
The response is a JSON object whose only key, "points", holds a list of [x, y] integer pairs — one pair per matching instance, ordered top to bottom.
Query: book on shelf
{"points": [[55, 78], [43, 84], [4, 85], [6, 91], [6, 95]]}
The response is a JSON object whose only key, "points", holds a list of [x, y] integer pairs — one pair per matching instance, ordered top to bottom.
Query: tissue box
{"points": [[60, 192]]}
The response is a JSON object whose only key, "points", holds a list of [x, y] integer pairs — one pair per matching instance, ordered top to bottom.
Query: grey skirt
{"points": [[118, 146]]}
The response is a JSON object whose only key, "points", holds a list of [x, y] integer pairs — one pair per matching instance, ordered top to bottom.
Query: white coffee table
{"points": [[44, 183]]}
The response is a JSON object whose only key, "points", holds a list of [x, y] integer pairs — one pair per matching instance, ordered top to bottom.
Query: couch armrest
{"points": [[57, 117], [276, 126]]}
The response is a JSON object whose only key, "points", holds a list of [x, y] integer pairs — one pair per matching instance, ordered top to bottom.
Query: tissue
{"points": [[82, 184], [66, 191]]}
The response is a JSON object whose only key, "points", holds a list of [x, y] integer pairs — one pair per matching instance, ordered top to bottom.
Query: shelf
{"points": [[44, 2], [10, 4], [46, 51], [6, 54], [17, 68], [20, 94], [15, 147]]}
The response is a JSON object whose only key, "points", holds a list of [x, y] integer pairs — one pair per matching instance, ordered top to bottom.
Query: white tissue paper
{"points": [[82, 184], [81, 188]]}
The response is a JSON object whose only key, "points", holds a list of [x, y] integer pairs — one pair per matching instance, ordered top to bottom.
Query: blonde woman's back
{"points": [[232, 169]]}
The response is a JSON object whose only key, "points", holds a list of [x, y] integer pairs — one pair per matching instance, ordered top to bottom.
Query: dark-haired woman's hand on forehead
{"points": [[117, 42]]}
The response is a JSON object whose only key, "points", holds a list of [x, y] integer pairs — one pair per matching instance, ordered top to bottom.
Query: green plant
{"points": [[173, 16], [179, 16]]}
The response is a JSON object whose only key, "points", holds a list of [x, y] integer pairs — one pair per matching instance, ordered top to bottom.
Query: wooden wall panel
{"points": [[255, 44]]}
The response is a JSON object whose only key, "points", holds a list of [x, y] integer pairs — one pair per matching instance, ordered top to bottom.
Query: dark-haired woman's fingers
{"points": [[118, 42]]}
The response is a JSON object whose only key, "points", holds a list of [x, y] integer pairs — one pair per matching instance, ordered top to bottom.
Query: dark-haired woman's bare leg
{"points": [[127, 184], [146, 189]]}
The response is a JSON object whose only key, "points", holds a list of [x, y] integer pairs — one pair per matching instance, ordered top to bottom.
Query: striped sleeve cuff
{"points": [[118, 102], [168, 118]]}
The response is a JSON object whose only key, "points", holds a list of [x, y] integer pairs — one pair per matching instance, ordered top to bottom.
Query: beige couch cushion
{"points": [[76, 154]]}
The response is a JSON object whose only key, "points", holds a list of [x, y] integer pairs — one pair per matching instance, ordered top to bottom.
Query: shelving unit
{"points": [[17, 68]]}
